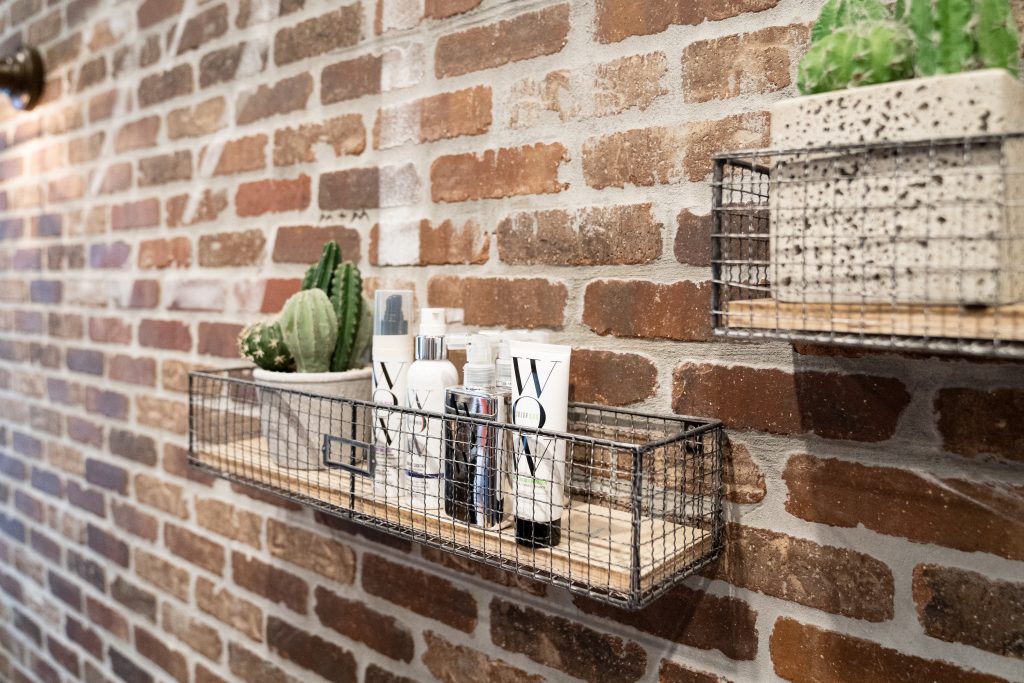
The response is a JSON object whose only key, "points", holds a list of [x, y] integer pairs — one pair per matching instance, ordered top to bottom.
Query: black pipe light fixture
{"points": [[22, 77]]}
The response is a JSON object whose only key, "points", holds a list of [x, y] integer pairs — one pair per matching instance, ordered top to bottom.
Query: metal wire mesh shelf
{"points": [[912, 246], [642, 493]]}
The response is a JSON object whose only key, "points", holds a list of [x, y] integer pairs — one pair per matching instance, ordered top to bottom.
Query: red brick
{"points": [[442, 9], [22, 10], [151, 12], [619, 19], [203, 27], [333, 31], [525, 36], [745, 64], [221, 66], [92, 73], [351, 79], [629, 82], [166, 85], [285, 96], [439, 117], [198, 120], [137, 134], [345, 134], [704, 140], [241, 155], [642, 157], [165, 168], [498, 173], [116, 178], [67, 188], [369, 188], [272, 196], [199, 207], [141, 214], [595, 236], [693, 239], [303, 244], [229, 249], [165, 253], [112, 255], [277, 292], [521, 302], [676, 311], [165, 334], [219, 339], [611, 378], [831, 405], [975, 422], [106, 475], [155, 492], [953, 513], [227, 520], [134, 521], [107, 545], [194, 548], [317, 553], [162, 574], [824, 577], [270, 582], [423, 593], [960, 606], [237, 613], [106, 618], [691, 618], [355, 620], [196, 634], [87, 638], [565, 645], [153, 648], [311, 652], [808, 654], [448, 661], [249, 667], [127, 670]]}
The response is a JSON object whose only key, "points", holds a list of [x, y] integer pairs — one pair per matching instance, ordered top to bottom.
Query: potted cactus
{"points": [[847, 227], [318, 347]]}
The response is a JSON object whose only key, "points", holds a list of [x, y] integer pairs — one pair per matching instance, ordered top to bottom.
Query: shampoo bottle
{"points": [[392, 356], [429, 377]]}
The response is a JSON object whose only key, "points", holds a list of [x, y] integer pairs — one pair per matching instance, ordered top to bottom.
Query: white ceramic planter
{"points": [[926, 227], [294, 424]]}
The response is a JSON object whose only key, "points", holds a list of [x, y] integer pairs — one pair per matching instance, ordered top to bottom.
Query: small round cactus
{"points": [[862, 54], [310, 329], [263, 344]]}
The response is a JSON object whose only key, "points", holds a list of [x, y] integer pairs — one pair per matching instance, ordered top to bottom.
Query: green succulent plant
{"points": [[860, 42], [327, 325]]}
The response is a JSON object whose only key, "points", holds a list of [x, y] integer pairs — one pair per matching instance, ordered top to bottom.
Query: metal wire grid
{"points": [[913, 246], [642, 493]]}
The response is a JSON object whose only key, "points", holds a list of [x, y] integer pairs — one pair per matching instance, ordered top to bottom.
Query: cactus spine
{"points": [[837, 14], [863, 54], [310, 329], [263, 344]]}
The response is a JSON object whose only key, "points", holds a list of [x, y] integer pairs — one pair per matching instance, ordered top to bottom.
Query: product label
{"points": [[388, 378], [424, 453], [539, 475]]}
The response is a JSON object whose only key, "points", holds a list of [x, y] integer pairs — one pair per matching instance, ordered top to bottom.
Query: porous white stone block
{"points": [[938, 224]]}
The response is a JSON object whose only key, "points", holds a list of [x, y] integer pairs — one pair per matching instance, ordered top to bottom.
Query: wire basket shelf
{"points": [[916, 246], [640, 505]]}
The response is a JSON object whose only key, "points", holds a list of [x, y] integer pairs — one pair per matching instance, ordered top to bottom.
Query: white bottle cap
{"points": [[432, 322], [478, 372]]}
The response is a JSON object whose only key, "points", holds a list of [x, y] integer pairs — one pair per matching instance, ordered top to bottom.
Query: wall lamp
{"points": [[22, 77]]}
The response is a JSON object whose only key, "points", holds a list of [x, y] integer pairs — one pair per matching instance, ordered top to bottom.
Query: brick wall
{"points": [[539, 164]]}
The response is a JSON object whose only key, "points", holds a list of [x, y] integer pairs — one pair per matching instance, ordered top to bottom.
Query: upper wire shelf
{"points": [[916, 246]]}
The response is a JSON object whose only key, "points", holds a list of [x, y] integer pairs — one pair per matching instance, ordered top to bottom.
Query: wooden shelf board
{"points": [[1003, 323], [596, 540]]}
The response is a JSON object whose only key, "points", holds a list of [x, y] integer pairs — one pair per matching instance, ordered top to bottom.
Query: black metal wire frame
{"points": [[915, 246], [643, 493]]}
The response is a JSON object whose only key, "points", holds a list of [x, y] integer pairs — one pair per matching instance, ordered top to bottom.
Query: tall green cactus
{"points": [[961, 35], [862, 54], [319, 274], [347, 298], [310, 329], [264, 345]]}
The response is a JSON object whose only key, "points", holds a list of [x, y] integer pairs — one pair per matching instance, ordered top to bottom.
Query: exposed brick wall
{"points": [[537, 164]]}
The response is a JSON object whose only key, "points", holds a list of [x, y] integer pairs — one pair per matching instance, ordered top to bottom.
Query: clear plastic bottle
{"points": [[392, 356], [429, 377]]}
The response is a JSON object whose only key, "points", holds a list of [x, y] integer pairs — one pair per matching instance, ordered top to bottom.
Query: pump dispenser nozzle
{"points": [[479, 368]]}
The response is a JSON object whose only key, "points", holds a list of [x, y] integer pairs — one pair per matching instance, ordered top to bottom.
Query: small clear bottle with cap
{"points": [[392, 357], [430, 375], [475, 470]]}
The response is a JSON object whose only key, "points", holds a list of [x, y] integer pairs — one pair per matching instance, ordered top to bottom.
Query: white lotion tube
{"points": [[392, 356], [540, 400]]}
